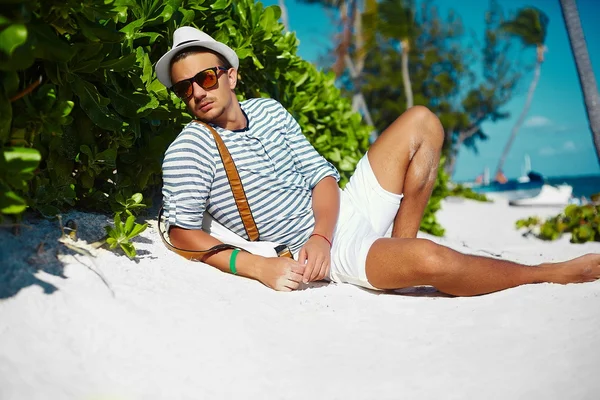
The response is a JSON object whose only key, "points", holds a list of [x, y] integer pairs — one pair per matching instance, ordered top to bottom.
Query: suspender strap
{"points": [[236, 185], [197, 255]]}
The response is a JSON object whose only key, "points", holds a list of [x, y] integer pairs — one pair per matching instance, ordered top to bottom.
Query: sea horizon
{"points": [[583, 185]]}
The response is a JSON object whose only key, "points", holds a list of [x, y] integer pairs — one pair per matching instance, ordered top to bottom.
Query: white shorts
{"points": [[367, 212]]}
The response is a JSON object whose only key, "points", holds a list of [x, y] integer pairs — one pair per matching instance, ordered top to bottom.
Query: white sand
{"points": [[180, 330]]}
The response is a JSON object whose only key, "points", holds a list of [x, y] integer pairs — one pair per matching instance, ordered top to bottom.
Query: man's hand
{"points": [[316, 254], [281, 273]]}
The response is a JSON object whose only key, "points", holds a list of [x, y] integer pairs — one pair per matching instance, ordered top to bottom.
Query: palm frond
{"points": [[530, 25]]}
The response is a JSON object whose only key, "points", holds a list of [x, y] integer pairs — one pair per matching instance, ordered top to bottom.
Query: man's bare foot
{"points": [[578, 270]]}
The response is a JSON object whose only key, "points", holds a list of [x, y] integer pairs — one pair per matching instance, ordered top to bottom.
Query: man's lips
{"points": [[205, 106]]}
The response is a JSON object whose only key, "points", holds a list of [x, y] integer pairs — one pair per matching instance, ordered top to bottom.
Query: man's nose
{"points": [[198, 91]]}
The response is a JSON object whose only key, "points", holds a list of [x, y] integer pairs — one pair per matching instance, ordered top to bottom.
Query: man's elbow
{"points": [[180, 237]]}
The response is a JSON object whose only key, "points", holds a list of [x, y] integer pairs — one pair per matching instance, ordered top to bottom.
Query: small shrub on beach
{"points": [[459, 190], [583, 222], [429, 223], [121, 234]]}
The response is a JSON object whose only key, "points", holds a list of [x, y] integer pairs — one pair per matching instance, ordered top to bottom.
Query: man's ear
{"points": [[232, 78]]}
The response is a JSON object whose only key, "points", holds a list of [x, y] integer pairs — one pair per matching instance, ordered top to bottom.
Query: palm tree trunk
{"points": [[347, 13], [284, 15], [405, 74], [587, 80], [515, 129]]}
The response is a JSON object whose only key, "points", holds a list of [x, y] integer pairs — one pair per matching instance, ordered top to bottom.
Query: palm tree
{"points": [[348, 12], [397, 21], [530, 26], [353, 35], [585, 72]]}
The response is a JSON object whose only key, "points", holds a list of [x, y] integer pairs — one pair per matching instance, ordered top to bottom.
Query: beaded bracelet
{"points": [[324, 237]]}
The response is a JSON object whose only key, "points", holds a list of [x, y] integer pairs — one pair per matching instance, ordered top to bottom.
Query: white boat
{"points": [[528, 189], [550, 195]]}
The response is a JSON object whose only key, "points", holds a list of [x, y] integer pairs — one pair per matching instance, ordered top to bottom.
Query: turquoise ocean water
{"points": [[583, 186]]}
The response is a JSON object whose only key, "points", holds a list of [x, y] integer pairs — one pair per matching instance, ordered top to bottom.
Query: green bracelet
{"points": [[232, 261]]}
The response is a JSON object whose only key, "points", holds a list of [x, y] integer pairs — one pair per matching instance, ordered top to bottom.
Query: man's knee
{"points": [[424, 117], [432, 261]]}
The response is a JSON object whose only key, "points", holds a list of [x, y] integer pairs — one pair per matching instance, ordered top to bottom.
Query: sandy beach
{"points": [[77, 327]]}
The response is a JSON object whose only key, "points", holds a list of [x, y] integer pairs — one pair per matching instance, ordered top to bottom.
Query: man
{"points": [[294, 197]]}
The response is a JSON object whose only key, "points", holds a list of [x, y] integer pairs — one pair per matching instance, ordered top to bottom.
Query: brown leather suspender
{"points": [[236, 185], [240, 200]]}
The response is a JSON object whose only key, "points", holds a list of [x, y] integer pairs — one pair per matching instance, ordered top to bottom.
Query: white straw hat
{"points": [[188, 36]]}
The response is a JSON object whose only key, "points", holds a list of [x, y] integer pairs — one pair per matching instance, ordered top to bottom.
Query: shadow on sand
{"points": [[34, 247]]}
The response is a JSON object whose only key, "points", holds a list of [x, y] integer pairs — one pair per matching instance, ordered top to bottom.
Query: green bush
{"points": [[100, 121], [459, 190], [583, 222], [429, 223]]}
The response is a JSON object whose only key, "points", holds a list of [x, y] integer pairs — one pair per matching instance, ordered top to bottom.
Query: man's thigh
{"points": [[364, 193]]}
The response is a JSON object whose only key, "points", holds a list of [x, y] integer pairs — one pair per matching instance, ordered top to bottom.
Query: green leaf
{"points": [[219, 5], [164, 15], [188, 16], [267, 19], [130, 29], [96, 32], [152, 36], [12, 37], [49, 46], [244, 53], [22, 58], [256, 62], [120, 64], [86, 67], [159, 89], [94, 105], [133, 105], [63, 108], [85, 149], [107, 157], [21, 160], [137, 198], [11, 203], [118, 224], [129, 224], [137, 229], [112, 242], [129, 249]]}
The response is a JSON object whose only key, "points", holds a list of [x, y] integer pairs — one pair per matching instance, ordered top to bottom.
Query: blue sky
{"points": [[556, 134]]}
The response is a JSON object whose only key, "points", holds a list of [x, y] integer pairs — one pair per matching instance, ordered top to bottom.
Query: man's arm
{"points": [[326, 206], [317, 250], [278, 273]]}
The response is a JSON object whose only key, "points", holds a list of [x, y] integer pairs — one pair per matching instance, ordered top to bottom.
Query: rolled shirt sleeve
{"points": [[188, 172]]}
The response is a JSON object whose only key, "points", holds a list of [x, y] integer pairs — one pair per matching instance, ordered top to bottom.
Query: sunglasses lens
{"points": [[207, 79], [183, 89]]}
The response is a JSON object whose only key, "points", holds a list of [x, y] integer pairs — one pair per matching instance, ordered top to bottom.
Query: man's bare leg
{"points": [[405, 159], [394, 263]]}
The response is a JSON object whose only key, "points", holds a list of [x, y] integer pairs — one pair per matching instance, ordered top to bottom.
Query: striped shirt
{"points": [[277, 165]]}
